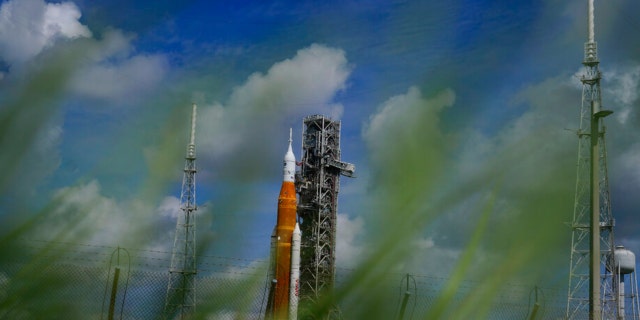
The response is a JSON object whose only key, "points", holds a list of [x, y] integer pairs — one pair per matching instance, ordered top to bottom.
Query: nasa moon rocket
{"points": [[284, 295]]}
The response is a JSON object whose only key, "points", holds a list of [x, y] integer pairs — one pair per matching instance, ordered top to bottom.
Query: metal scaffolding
{"points": [[318, 185]]}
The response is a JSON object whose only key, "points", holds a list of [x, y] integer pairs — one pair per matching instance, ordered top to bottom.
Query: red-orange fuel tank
{"points": [[284, 231]]}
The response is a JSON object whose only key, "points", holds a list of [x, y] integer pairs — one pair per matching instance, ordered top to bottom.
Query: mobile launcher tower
{"points": [[318, 184]]}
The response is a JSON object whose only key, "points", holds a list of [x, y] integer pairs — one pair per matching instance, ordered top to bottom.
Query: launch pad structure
{"points": [[318, 185]]}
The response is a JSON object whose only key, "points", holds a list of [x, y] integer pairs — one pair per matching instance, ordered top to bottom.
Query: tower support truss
{"points": [[318, 185], [591, 282], [180, 302]]}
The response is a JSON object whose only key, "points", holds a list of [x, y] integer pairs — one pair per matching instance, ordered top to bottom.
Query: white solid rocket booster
{"points": [[294, 285]]}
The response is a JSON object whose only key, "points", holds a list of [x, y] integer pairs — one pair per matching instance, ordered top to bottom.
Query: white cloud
{"points": [[29, 26], [105, 69], [113, 73], [309, 80], [121, 81], [621, 86], [259, 112], [403, 112], [406, 122], [405, 141], [46, 146], [407, 150], [630, 164], [32, 171], [431, 184], [170, 207], [82, 214], [424, 243], [348, 251], [428, 258], [255, 267], [232, 314]]}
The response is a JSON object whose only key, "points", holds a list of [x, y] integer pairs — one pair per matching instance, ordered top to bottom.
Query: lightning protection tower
{"points": [[318, 185], [591, 283], [180, 302]]}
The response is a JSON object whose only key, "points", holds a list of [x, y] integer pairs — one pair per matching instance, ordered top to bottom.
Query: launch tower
{"points": [[318, 186], [591, 283], [180, 301]]}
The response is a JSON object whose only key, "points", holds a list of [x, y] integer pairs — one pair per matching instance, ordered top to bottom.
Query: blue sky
{"points": [[448, 109]]}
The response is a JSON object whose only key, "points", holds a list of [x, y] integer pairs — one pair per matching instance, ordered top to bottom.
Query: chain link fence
{"points": [[52, 283]]}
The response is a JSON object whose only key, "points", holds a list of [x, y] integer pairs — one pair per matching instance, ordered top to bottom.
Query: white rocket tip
{"points": [[289, 162], [296, 229]]}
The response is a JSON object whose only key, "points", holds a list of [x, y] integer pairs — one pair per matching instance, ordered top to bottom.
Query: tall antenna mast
{"points": [[590, 20], [592, 242], [180, 301]]}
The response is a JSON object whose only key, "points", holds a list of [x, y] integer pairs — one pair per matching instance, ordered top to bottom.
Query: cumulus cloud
{"points": [[29, 26], [106, 69], [47, 72], [113, 73], [308, 80], [120, 81], [620, 85], [620, 94], [399, 113], [253, 125], [406, 149], [628, 162], [31, 172], [432, 188], [462, 204], [170, 207], [82, 214], [348, 250], [233, 271]]}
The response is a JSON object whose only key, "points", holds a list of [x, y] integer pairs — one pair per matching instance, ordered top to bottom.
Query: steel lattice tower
{"points": [[318, 185], [591, 282], [180, 301]]}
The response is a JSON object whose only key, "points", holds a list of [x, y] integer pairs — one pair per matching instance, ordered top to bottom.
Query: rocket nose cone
{"points": [[289, 156], [289, 164], [296, 229]]}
